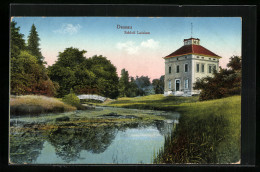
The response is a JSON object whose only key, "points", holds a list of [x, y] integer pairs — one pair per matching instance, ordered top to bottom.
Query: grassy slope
{"points": [[153, 102], [37, 104], [209, 131]]}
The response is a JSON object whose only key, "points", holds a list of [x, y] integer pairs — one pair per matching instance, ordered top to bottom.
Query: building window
{"points": [[185, 57], [198, 57], [202, 57], [209, 58], [214, 59], [186, 67], [198, 67], [202, 67], [214, 67], [170, 69], [177, 69], [209, 69], [186, 84], [170, 85], [177, 85]]}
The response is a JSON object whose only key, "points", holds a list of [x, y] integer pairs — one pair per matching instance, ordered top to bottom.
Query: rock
{"points": [[112, 114], [115, 115], [131, 116], [64, 118]]}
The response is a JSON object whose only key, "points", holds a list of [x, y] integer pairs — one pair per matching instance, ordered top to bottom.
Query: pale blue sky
{"points": [[140, 54]]}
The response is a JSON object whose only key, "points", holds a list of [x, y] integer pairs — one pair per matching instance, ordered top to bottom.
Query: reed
{"points": [[35, 104], [208, 132]]}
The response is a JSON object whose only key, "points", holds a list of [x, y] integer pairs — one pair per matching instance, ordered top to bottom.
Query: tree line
{"points": [[71, 71], [28, 73], [97, 75], [139, 86]]}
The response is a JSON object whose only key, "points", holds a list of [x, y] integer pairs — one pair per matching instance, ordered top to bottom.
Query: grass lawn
{"points": [[153, 102], [208, 132]]}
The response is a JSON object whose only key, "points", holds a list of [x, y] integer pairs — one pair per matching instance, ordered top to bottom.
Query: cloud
{"points": [[68, 28], [150, 43], [128, 46], [131, 48]]}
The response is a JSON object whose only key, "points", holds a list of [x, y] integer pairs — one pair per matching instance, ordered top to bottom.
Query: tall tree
{"points": [[17, 42], [33, 44], [235, 63], [63, 71], [27, 75], [95, 75], [107, 78], [143, 81], [124, 83], [144, 85], [158, 85], [133, 88]]}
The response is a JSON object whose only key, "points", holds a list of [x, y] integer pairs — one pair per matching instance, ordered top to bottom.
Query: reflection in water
{"points": [[69, 142], [127, 143], [25, 147]]}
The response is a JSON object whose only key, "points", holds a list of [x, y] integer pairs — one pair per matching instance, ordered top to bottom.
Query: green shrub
{"points": [[225, 83], [73, 100]]}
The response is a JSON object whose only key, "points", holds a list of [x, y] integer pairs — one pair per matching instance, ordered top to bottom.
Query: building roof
{"points": [[191, 39], [192, 49]]}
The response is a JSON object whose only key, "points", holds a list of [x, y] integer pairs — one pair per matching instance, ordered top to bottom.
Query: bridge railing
{"points": [[92, 97]]}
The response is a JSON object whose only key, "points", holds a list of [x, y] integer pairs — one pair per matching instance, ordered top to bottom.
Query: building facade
{"points": [[187, 64]]}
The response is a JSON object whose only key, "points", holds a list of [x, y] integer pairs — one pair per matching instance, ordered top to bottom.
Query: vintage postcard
{"points": [[125, 90]]}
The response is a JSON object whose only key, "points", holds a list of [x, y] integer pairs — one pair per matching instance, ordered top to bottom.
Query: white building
{"points": [[187, 64]]}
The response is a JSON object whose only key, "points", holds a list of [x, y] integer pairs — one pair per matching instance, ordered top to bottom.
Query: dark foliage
{"points": [[33, 44], [95, 75], [28, 76], [226, 82], [158, 85], [132, 87]]}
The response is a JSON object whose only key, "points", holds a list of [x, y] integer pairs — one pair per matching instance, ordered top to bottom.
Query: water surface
{"points": [[127, 143]]}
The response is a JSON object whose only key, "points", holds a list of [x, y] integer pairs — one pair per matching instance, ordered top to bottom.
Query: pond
{"points": [[132, 142]]}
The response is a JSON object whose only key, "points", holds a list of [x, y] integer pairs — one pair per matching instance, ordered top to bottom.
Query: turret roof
{"points": [[192, 49]]}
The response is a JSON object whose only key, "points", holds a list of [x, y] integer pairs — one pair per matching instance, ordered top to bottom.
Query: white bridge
{"points": [[92, 97]]}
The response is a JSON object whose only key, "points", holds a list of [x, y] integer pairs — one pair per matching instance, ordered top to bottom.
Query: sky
{"points": [[139, 54]]}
